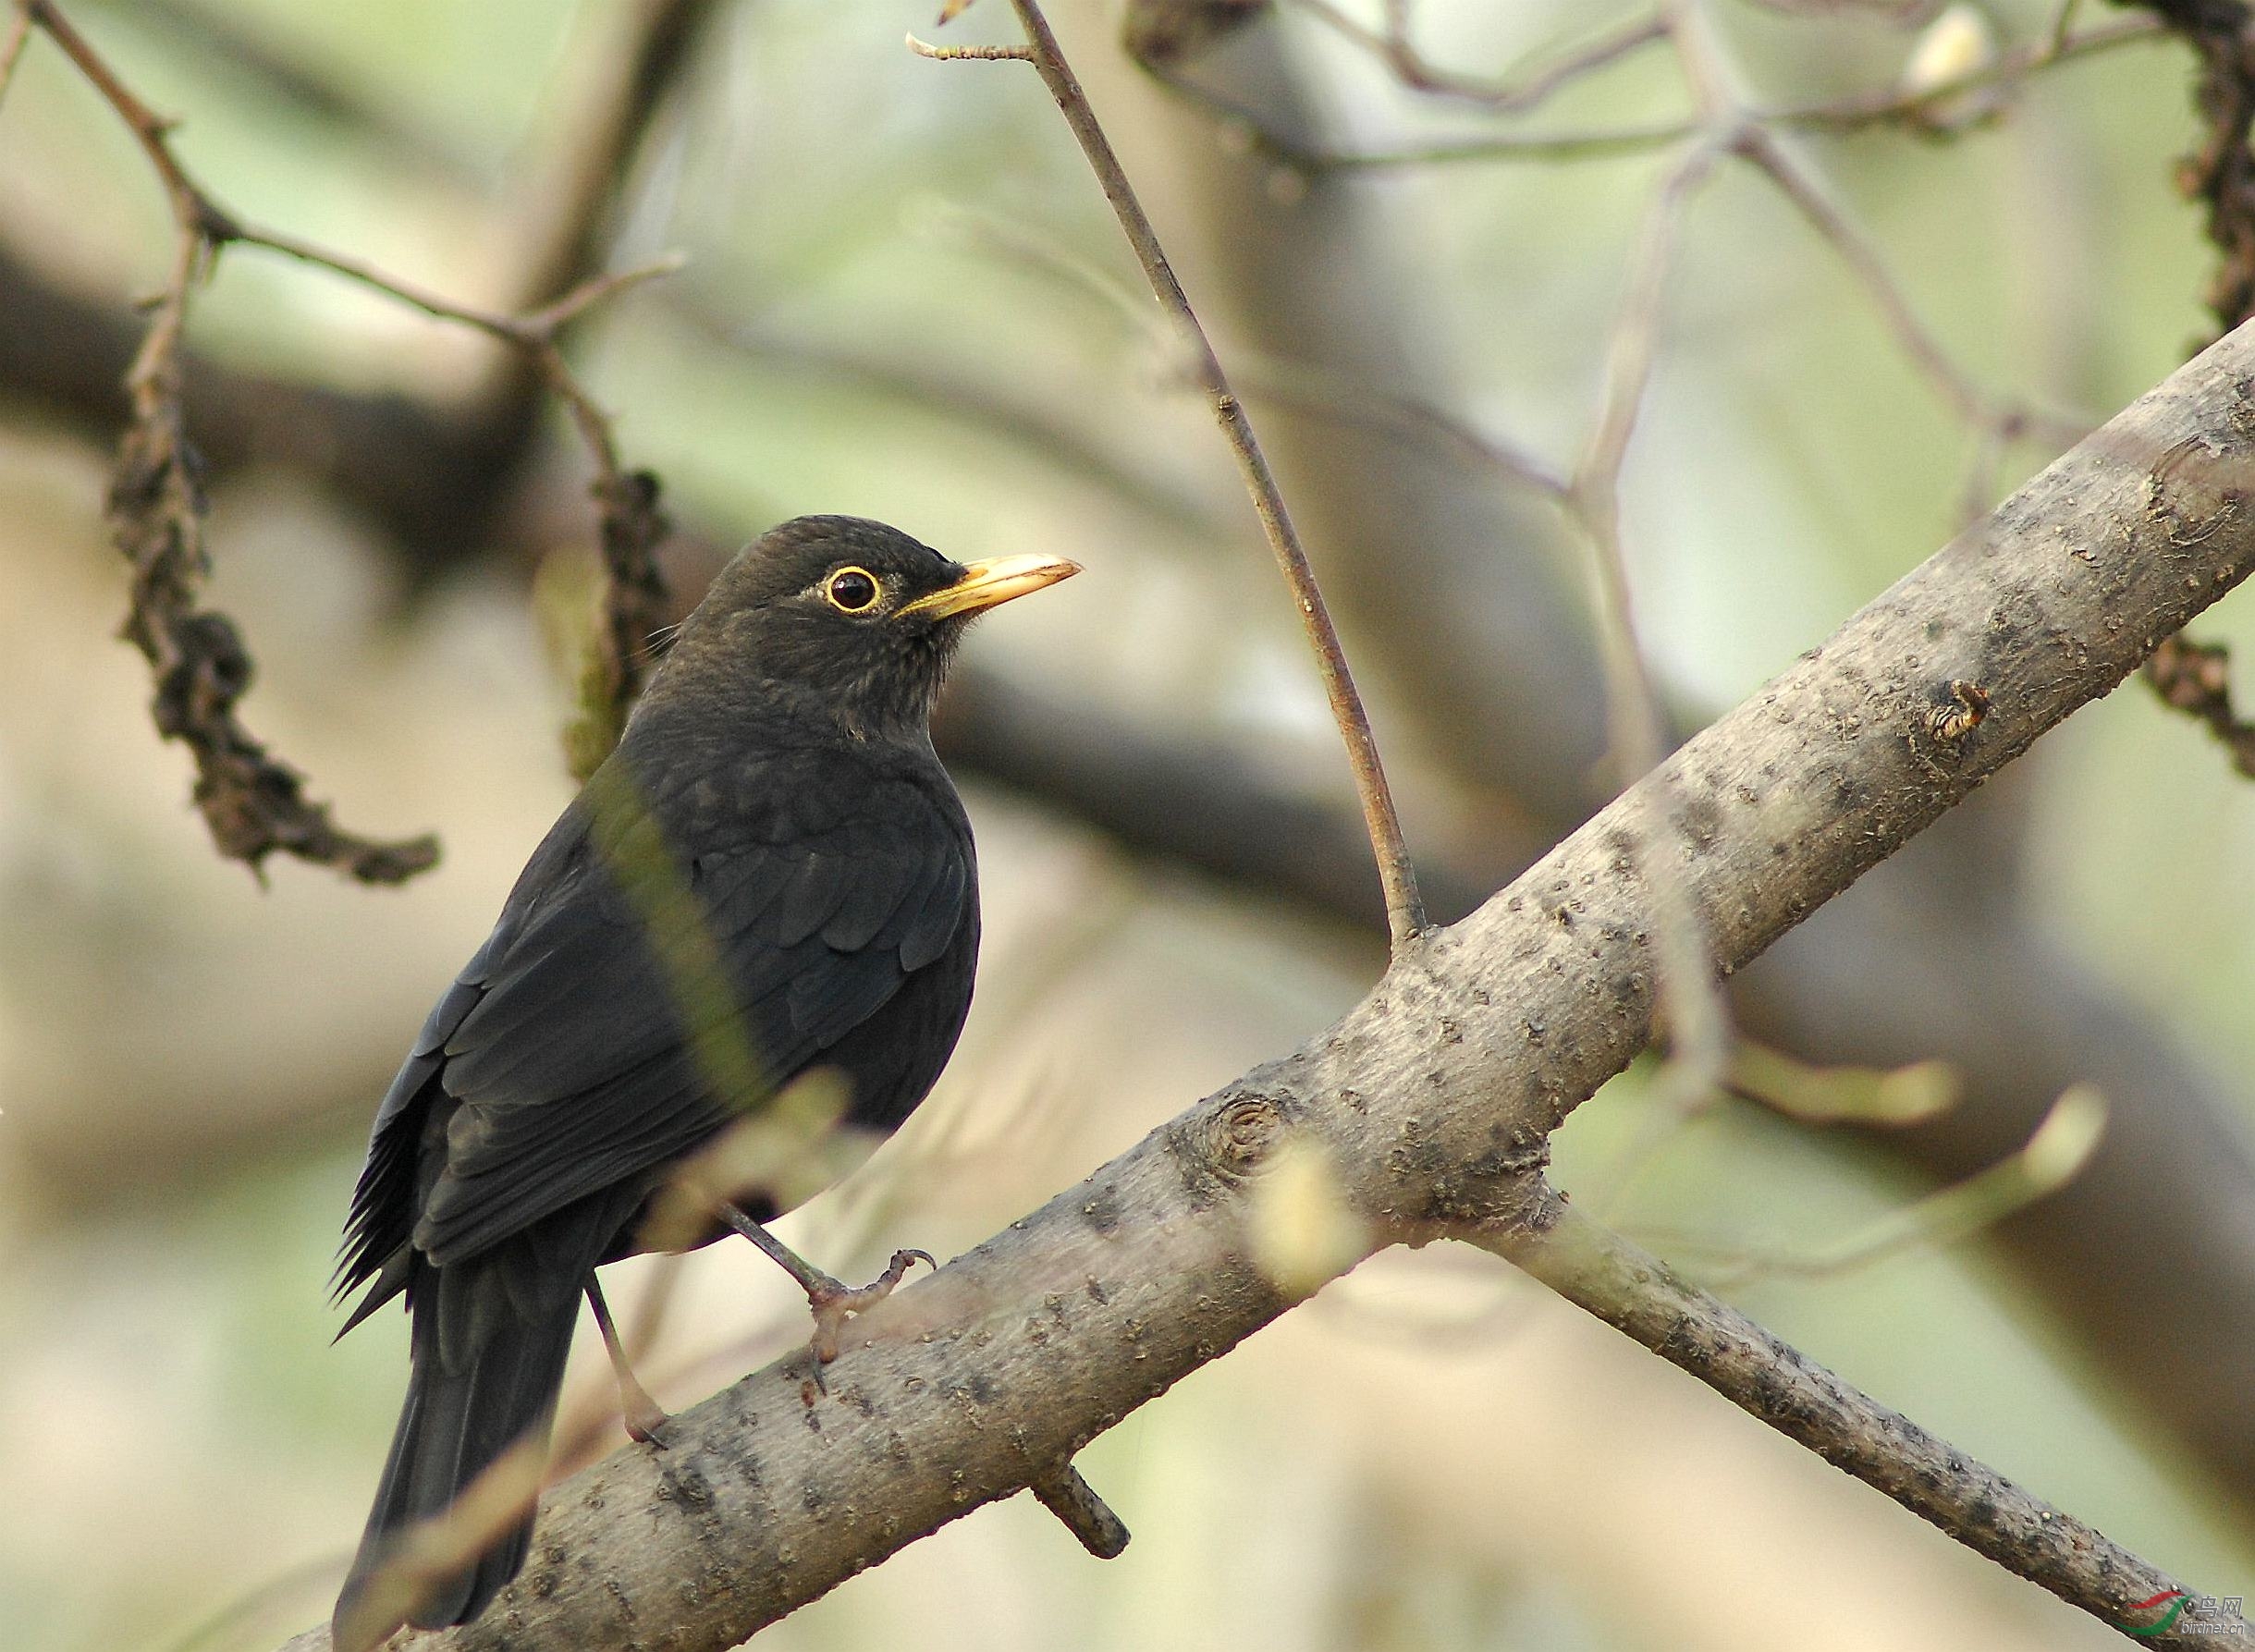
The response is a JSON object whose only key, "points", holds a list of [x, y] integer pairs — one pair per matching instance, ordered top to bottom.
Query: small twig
{"points": [[12, 43], [924, 48], [628, 69], [1501, 96], [1909, 110], [1915, 110], [1603, 143], [530, 331], [1917, 342], [1331, 395], [1337, 397], [996, 406], [1997, 422], [629, 523], [2195, 677], [1405, 911], [1692, 1008], [1811, 1093], [2055, 1153], [1086, 1516]]}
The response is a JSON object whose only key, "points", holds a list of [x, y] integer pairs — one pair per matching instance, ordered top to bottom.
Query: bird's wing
{"points": [[584, 1059], [384, 1200]]}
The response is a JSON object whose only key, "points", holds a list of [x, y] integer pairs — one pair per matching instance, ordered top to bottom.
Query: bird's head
{"points": [[841, 616]]}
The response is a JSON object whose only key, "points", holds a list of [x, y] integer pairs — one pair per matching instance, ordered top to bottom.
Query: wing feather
{"points": [[569, 1068]]}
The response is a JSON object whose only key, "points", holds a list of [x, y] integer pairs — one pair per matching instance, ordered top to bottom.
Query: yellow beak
{"points": [[995, 581]]}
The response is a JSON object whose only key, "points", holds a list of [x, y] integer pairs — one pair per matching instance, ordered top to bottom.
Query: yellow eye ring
{"points": [[853, 590]]}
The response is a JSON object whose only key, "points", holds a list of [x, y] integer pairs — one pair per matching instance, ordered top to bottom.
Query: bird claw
{"points": [[834, 1303], [648, 1428]]}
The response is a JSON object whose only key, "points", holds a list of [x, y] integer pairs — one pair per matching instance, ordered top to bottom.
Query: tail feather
{"points": [[489, 1341]]}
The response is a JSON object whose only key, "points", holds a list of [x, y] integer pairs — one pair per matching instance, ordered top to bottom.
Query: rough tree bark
{"points": [[1433, 1100]]}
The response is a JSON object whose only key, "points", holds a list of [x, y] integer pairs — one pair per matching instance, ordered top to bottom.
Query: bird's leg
{"points": [[833, 1303], [646, 1420]]}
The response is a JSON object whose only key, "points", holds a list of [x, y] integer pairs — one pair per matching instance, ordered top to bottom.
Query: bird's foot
{"points": [[834, 1303], [645, 1421]]}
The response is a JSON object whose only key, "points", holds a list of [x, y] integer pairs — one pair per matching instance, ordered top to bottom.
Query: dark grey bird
{"points": [[771, 874]]}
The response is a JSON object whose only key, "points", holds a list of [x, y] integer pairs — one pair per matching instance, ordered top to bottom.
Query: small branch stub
{"points": [[924, 48], [2195, 677], [1086, 1516]]}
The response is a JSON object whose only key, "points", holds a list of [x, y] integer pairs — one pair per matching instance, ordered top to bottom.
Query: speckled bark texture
{"points": [[1436, 1095], [1853, 1432]]}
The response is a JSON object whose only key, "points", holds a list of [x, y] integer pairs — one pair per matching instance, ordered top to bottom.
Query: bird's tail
{"points": [[488, 1344]]}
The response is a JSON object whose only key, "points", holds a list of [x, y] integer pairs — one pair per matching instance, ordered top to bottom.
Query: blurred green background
{"points": [[906, 298]]}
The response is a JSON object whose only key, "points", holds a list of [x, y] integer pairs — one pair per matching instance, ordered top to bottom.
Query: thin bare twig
{"points": [[13, 43], [924, 48], [638, 54], [1508, 94], [1916, 109], [1913, 111], [1599, 144], [1972, 403], [992, 404], [1595, 488], [2195, 677], [1405, 911], [1698, 1023], [2055, 1153]]}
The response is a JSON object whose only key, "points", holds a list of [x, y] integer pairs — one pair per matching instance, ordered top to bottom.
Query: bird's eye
{"points": [[852, 590]]}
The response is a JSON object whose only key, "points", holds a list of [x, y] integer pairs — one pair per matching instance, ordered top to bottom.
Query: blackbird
{"points": [[771, 874]]}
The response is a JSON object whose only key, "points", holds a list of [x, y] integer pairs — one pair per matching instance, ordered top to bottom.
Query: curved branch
{"points": [[253, 803], [1433, 1099]]}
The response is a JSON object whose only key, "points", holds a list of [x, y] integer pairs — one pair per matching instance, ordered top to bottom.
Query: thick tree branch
{"points": [[1938, 954], [1433, 1100]]}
